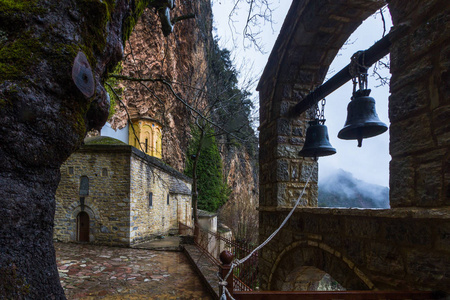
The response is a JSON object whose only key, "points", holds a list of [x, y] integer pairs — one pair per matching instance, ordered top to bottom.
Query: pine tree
{"points": [[212, 189]]}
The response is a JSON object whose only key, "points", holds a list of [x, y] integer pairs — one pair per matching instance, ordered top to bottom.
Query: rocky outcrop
{"points": [[176, 66], [239, 213]]}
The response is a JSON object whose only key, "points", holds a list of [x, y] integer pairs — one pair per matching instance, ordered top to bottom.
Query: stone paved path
{"points": [[100, 272]]}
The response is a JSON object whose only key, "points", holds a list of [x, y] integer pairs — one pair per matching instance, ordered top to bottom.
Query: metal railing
{"points": [[245, 276]]}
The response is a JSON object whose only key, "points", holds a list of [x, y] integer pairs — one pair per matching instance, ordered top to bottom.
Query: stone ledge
{"points": [[398, 213], [206, 269]]}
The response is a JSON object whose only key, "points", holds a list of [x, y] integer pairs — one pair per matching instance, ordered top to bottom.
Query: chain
{"points": [[358, 71], [320, 112]]}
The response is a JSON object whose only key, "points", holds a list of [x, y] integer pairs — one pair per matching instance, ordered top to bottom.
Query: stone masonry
{"points": [[121, 179], [406, 247]]}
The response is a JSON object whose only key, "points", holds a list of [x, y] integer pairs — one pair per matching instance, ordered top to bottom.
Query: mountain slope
{"points": [[341, 189]]}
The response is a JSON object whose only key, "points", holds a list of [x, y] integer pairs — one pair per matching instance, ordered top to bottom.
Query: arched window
{"points": [[84, 186]]}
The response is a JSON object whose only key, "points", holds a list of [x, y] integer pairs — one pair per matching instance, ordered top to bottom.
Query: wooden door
{"points": [[83, 227]]}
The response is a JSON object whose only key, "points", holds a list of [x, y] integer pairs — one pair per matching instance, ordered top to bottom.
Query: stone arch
{"points": [[312, 34], [92, 212], [94, 217], [321, 256]]}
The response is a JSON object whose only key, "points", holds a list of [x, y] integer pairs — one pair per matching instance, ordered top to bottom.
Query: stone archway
{"points": [[89, 213], [289, 272], [309, 278]]}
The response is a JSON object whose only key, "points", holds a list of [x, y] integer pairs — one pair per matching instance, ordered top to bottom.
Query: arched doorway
{"points": [[83, 227], [306, 267], [309, 278]]}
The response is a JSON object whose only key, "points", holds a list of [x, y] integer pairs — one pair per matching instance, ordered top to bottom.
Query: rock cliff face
{"points": [[180, 60], [178, 68], [239, 213]]}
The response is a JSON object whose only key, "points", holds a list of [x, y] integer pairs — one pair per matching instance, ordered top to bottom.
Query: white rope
{"points": [[237, 262]]}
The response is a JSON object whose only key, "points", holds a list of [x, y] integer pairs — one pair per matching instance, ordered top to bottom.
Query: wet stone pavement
{"points": [[101, 272]]}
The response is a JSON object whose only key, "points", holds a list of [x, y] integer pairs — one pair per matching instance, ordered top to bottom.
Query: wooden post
{"points": [[226, 257]]}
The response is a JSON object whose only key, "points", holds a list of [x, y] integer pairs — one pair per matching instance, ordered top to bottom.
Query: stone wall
{"points": [[419, 106], [120, 180], [108, 202], [163, 216], [396, 249]]}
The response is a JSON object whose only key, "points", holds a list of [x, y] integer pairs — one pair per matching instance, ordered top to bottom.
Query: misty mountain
{"points": [[341, 189]]}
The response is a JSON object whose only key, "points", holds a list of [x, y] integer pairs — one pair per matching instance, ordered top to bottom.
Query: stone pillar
{"points": [[419, 105], [283, 173]]}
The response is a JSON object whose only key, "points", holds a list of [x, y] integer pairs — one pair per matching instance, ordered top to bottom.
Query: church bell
{"points": [[362, 119], [317, 142]]}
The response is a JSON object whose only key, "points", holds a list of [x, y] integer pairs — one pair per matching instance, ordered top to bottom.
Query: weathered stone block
{"points": [[400, 10], [427, 34], [444, 58], [421, 69], [444, 91], [408, 100], [285, 107], [441, 125], [284, 127], [297, 131], [411, 135], [296, 141], [288, 151], [307, 168], [282, 170], [295, 170], [401, 182], [429, 184], [281, 193], [313, 194], [311, 224], [330, 224], [362, 228], [408, 232], [443, 238], [384, 258], [428, 268]]}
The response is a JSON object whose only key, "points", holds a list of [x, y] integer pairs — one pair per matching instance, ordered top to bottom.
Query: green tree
{"points": [[204, 158]]}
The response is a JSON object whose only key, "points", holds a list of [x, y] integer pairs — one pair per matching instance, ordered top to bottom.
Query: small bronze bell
{"points": [[362, 119], [317, 142]]}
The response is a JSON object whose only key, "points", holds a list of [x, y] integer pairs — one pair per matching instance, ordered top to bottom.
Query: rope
{"points": [[236, 262]]}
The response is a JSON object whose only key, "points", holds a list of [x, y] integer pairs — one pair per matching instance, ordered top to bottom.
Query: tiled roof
{"points": [[177, 186]]}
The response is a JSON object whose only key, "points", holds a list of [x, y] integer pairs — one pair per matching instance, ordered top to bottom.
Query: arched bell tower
{"points": [[146, 135]]}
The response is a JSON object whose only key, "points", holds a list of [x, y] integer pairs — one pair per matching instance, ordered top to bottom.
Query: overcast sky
{"points": [[369, 163]]}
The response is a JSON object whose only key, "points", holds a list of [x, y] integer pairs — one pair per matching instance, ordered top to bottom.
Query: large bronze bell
{"points": [[362, 119], [317, 142]]}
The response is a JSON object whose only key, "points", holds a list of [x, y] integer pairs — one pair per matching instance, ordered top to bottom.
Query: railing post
{"points": [[196, 233], [226, 257]]}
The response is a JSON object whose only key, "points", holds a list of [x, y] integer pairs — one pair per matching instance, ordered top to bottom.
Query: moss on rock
{"points": [[131, 20]]}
